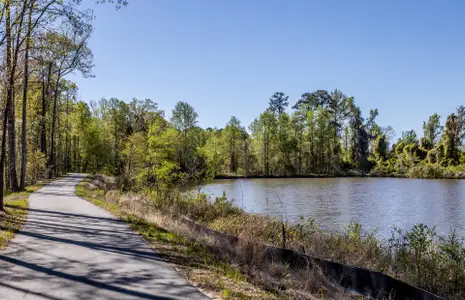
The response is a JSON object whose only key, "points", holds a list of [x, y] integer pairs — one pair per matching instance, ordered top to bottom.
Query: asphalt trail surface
{"points": [[72, 249]]}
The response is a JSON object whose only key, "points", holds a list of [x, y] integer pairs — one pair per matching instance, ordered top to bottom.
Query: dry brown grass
{"points": [[418, 256], [238, 271], [215, 277]]}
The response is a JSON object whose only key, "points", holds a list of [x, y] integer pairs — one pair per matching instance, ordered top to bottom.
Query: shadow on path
{"points": [[71, 249], [81, 279]]}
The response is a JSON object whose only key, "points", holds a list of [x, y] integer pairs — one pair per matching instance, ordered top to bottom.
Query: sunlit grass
{"points": [[14, 216]]}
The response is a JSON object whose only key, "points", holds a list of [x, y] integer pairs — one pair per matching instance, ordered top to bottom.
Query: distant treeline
{"points": [[324, 133]]}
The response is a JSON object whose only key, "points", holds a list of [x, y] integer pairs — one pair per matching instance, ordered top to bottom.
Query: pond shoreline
{"points": [[341, 175], [377, 203]]}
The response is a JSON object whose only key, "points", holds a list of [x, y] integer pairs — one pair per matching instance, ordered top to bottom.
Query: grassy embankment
{"points": [[14, 216], [418, 256], [201, 260], [215, 277]]}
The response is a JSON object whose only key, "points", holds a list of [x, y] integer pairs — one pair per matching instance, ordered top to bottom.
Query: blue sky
{"points": [[406, 58]]}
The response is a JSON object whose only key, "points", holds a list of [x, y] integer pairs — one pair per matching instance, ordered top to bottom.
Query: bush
{"points": [[382, 170], [427, 171], [436, 171]]}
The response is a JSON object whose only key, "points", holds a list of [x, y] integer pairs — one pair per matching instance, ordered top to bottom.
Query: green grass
{"points": [[14, 216]]}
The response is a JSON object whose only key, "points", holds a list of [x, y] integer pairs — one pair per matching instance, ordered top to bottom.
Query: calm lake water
{"points": [[376, 203]]}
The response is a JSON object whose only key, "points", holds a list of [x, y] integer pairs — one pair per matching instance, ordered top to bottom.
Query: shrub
{"points": [[427, 171]]}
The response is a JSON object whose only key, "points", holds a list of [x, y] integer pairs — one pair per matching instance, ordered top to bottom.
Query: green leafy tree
{"points": [[311, 101], [278, 103], [339, 109], [184, 119], [264, 130], [432, 130], [232, 134], [360, 137], [409, 137], [451, 139], [162, 146], [286, 146], [380, 148], [215, 150]]}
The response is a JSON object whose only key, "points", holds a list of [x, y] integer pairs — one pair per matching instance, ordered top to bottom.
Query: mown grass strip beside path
{"points": [[14, 216]]}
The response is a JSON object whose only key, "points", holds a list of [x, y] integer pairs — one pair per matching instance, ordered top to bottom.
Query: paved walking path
{"points": [[72, 249]]}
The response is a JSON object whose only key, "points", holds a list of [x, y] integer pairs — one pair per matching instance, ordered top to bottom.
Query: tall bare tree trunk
{"points": [[13, 50], [45, 96], [7, 104], [10, 111], [42, 136], [66, 137], [12, 138], [265, 144], [59, 151], [75, 153], [78, 155], [3, 156], [246, 158], [52, 160], [117, 168], [13, 177], [22, 181]]}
